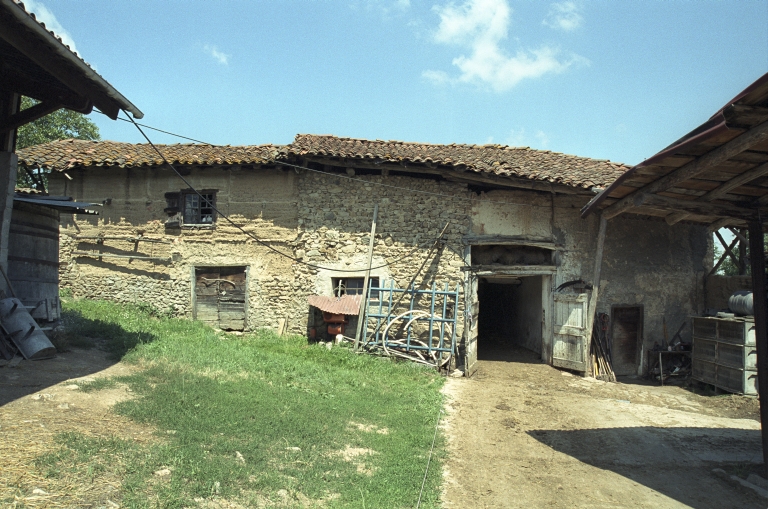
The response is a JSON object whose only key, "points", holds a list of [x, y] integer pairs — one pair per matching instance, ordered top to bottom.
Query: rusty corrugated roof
{"points": [[499, 160], [344, 305]]}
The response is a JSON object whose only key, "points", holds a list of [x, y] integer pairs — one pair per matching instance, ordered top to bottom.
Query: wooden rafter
{"points": [[26, 116], [714, 157], [723, 189], [693, 207]]}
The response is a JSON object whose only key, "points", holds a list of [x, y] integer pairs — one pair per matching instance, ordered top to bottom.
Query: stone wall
{"points": [[324, 222]]}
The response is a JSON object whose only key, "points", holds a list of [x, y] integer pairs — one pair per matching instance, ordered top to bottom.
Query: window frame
{"points": [[204, 195], [373, 281]]}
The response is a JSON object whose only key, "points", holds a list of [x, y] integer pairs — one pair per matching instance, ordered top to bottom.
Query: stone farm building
{"points": [[513, 236]]}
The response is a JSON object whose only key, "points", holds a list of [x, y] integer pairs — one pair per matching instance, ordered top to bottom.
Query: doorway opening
{"points": [[220, 297], [510, 319], [626, 339]]}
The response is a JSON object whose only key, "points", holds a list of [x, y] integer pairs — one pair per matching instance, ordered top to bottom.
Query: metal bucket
{"points": [[24, 331]]}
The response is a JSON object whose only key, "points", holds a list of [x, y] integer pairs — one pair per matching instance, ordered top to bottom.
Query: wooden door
{"points": [[220, 297], [471, 314], [626, 334], [570, 346]]}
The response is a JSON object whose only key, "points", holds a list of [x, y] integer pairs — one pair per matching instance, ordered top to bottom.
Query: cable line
{"points": [[335, 175], [258, 240]]}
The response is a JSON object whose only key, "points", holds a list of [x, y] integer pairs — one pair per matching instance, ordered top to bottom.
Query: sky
{"points": [[616, 80]]}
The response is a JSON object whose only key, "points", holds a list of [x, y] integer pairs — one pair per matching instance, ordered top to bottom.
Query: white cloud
{"points": [[43, 15], [564, 16], [480, 26], [221, 57]]}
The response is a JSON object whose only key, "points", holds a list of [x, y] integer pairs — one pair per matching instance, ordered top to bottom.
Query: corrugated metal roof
{"points": [[62, 205], [344, 305]]}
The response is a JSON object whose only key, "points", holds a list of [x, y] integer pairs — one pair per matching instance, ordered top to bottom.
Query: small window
{"points": [[198, 208], [354, 286]]}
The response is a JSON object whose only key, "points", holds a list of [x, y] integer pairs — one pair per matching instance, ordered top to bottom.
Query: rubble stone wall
{"points": [[324, 221]]}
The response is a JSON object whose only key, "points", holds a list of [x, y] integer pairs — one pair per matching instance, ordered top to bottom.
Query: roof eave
{"points": [[63, 51]]}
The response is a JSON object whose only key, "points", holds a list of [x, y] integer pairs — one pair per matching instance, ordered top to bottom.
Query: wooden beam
{"points": [[40, 52], [744, 115], [26, 116], [695, 167], [723, 189], [693, 207], [722, 223], [509, 240], [728, 250], [722, 259], [757, 260], [595, 285], [364, 299]]}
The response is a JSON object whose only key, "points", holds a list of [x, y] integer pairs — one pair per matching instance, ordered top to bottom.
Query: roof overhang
{"points": [[35, 63], [716, 175], [63, 204]]}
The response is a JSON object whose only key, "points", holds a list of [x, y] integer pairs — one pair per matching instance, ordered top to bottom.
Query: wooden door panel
{"points": [[569, 342]]}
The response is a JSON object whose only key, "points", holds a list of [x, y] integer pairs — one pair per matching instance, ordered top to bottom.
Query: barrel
{"points": [[741, 303], [24, 331]]}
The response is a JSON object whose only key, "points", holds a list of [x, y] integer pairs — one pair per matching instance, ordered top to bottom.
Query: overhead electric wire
{"points": [[335, 175], [258, 240]]}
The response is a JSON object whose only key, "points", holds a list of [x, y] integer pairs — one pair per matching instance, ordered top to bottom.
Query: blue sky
{"points": [[614, 80]]}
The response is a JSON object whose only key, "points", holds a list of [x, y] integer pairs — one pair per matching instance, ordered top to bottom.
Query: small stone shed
{"points": [[514, 235]]}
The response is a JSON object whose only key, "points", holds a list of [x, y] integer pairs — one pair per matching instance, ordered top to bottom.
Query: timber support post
{"points": [[757, 260], [595, 284], [364, 296]]}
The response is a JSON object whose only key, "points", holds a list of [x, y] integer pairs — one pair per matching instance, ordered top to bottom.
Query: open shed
{"points": [[715, 175]]}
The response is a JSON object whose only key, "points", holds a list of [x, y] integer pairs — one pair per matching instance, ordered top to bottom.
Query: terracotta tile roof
{"points": [[66, 154], [500, 160]]}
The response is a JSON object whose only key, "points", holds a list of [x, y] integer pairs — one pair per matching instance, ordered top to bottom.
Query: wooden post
{"points": [[757, 260], [595, 283], [364, 299]]}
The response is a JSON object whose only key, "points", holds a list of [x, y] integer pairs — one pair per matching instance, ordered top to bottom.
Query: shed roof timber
{"points": [[35, 62], [716, 175]]}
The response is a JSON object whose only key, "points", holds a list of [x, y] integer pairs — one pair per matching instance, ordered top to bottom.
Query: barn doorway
{"points": [[220, 297], [510, 319], [626, 339]]}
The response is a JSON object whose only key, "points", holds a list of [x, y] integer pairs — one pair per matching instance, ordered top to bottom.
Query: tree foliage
{"points": [[59, 125]]}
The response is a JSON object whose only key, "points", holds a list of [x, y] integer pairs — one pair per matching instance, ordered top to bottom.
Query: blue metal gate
{"points": [[393, 313]]}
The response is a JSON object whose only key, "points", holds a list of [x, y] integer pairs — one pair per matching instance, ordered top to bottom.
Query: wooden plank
{"points": [[711, 158], [757, 259], [596, 280], [364, 300]]}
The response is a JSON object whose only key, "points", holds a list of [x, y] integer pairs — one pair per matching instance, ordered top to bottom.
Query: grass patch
{"points": [[97, 384], [256, 419]]}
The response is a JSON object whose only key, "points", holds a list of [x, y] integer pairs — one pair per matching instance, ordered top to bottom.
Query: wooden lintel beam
{"points": [[28, 115], [714, 157], [723, 189], [693, 207]]}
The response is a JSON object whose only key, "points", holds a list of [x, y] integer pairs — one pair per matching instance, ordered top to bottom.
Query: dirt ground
{"points": [[40, 399], [520, 434], [524, 434]]}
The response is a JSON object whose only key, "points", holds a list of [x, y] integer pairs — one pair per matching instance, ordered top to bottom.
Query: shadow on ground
{"points": [[86, 347], [667, 460]]}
